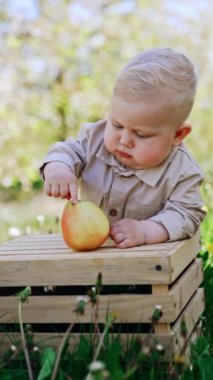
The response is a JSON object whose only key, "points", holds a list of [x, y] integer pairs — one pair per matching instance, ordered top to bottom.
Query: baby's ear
{"points": [[181, 133]]}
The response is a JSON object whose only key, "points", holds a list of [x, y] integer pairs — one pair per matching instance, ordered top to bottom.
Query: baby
{"points": [[133, 164]]}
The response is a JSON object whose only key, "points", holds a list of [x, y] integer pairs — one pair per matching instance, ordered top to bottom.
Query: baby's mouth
{"points": [[124, 154]]}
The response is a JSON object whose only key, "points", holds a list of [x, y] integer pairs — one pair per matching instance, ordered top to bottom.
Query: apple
{"points": [[84, 226]]}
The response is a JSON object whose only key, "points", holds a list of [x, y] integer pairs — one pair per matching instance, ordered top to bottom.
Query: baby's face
{"points": [[139, 135]]}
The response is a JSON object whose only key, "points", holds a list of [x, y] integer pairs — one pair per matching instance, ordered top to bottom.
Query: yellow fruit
{"points": [[84, 226]]}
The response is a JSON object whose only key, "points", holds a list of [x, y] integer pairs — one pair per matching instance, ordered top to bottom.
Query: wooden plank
{"points": [[49, 239], [39, 246], [180, 258], [139, 265], [72, 270], [184, 288], [179, 294], [131, 308], [190, 316], [197, 332], [54, 340], [172, 342]]}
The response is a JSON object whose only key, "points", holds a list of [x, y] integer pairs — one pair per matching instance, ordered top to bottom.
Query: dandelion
{"points": [[40, 219], [14, 232], [49, 288], [24, 294], [92, 295], [82, 298], [81, 302], [157, 314], [13, 347], [159, 347], [96, 366], [97, 370], [90, 377]]}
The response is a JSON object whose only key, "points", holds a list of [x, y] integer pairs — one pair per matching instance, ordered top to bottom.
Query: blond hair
{"points": [[159, 71]]}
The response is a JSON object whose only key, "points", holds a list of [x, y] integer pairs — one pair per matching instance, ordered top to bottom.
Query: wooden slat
{"points": [[49, 239], [27, 245], [182, 257], [151, 264], [72, 270], [186, 285], [131, 308], [190, 314], [54, 340], [172, 342]]}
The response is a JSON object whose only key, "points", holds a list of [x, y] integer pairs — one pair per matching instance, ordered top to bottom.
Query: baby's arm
{"points": [[62, 166], [60, 181], [179, 219], [128, 233]]}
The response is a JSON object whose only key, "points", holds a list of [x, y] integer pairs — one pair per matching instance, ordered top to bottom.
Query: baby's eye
{"points": [[117, 126], [141, 135]]}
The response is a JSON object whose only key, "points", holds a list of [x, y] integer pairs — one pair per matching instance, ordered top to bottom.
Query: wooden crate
{"points": [[167, 274]]}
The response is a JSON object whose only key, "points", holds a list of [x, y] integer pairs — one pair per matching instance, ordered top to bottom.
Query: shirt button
{"points": [[113, 212]]}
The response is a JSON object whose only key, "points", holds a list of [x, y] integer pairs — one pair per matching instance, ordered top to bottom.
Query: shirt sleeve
{"points": [[71, 152], [183, 212]]}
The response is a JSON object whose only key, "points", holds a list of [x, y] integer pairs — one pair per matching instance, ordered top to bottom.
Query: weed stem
{"points": [[24, 342], [60, 350]]}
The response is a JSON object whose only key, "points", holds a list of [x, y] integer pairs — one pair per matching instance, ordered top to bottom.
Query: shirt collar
{"points": [[148, 176]]}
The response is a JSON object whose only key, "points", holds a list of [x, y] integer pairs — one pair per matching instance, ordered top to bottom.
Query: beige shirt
{"points": [[167, 194]]}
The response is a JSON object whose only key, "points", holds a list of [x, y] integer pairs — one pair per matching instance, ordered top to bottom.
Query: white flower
{"points": [[40, 218], [14, 232], [29, 289], [94, 289], [81, 298], [158, 307], [13, 347], [159, 347], [35, 349], [96, 366], [90, 377]]}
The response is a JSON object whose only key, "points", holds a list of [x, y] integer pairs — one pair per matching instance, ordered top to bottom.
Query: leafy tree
{"points": [[60, 61]]}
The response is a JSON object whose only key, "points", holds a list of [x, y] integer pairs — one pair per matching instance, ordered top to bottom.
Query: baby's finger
{"points": [[47, 188], [73, 189], [55, 191], [64, 191], [114, 229], [119, 237], [126, 243]]}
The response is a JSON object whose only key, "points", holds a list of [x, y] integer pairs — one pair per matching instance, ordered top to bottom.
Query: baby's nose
{"points": [[126, 139]]}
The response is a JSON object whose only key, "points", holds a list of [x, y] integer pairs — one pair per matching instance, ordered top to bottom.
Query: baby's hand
{"points": [[60, 181], [127, 233]]}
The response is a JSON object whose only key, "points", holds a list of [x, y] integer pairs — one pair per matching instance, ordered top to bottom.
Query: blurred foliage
{"points": [[59, 63]]}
